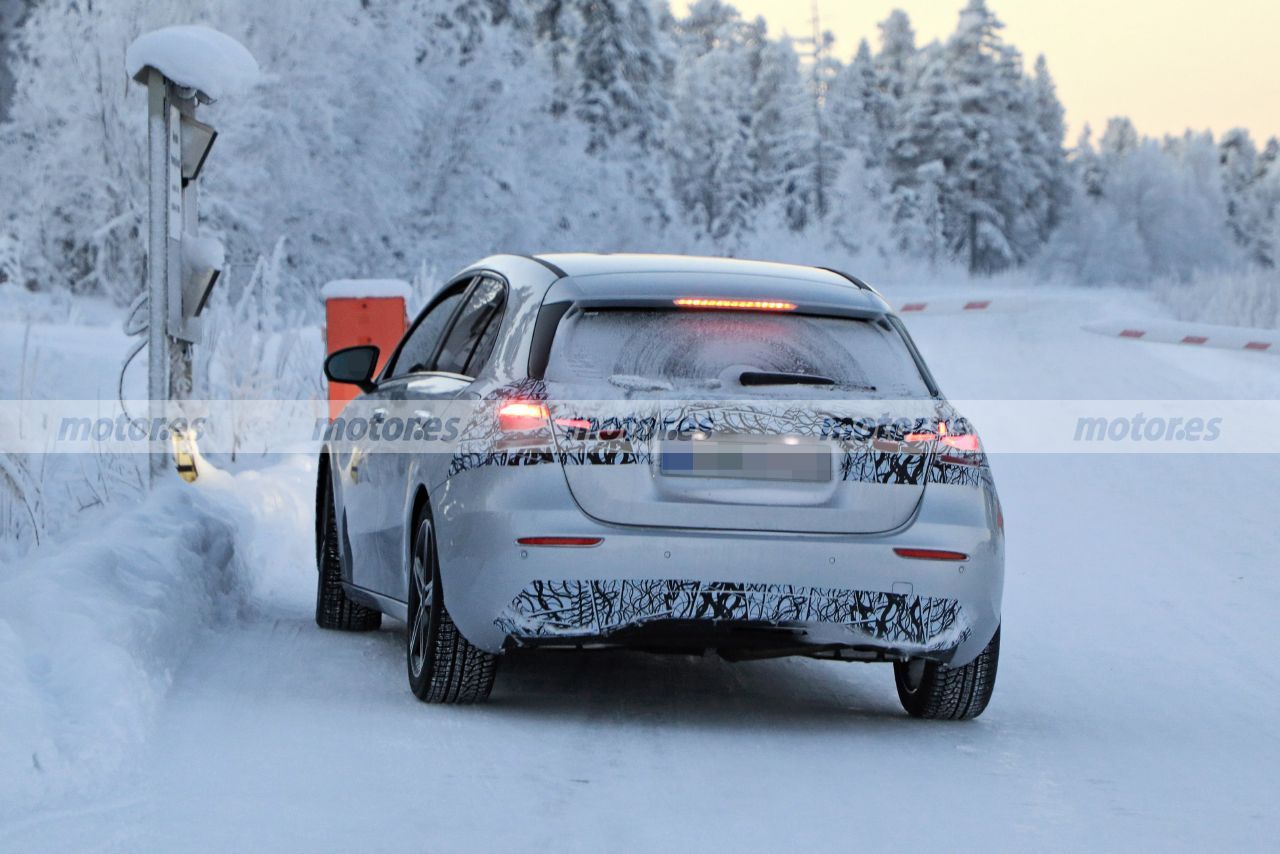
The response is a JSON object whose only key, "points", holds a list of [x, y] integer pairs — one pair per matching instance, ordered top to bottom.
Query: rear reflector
{"points": [[740, 304], [560, 541], [930, 554]]}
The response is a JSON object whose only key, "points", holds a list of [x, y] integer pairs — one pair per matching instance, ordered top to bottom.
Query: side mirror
{"points": [[354, 366]]}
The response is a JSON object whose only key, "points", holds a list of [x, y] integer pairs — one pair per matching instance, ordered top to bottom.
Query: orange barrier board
{"points": [[351, 321]]}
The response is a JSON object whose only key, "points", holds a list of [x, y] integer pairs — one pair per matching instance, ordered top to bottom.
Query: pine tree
{"points": [[12, 13], [710, 25], [556, 26], [897, 53], [621, 73], [860, 109], [784, 135], [1119, 138], [923, 157], [1051, 158], [1086, 166], [712, 170], [1242, 174], [992, 175], [1269, 200]]}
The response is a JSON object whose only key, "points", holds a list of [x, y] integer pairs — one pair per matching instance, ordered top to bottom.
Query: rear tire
{"points": [[333, 609], [443, 666], [934, 691]]}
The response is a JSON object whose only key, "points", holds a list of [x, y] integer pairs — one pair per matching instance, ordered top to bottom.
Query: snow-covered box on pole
{"points": [[194, 57]]}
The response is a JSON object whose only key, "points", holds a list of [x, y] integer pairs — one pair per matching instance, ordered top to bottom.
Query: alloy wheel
{"points": [[423, 588]]}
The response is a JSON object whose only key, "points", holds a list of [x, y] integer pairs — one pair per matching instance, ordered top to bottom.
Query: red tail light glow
{"points": [[738, 304], [518, 416], [959, 441], [966, 442], [578, 542], [930, 554]]}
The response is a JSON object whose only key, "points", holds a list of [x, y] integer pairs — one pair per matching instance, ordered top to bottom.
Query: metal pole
{"points": [[157, 262], [180, 362]]}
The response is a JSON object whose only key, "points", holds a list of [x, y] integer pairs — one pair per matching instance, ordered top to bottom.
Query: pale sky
{"points": [[1167, 65]]}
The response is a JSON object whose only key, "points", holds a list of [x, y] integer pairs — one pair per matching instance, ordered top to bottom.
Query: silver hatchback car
{"points": [[663, 453]]}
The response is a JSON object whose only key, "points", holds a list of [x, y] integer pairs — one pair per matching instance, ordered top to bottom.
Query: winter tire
{"points": [[333, 609], [444, 667], [931, 690]]}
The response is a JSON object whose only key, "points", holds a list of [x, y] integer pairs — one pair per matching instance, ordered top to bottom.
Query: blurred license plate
{"points": [[746, 460]]}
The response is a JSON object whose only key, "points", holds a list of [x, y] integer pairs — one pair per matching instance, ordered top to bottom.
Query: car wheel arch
{"points": [[421, 502]]}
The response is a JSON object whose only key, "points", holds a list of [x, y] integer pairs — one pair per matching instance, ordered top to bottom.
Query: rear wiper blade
{"points": [[782, 378]]}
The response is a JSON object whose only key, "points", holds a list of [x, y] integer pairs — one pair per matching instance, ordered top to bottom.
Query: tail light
{"points": [[522, 416], [526, 416], [967, 442], [966, 445]]}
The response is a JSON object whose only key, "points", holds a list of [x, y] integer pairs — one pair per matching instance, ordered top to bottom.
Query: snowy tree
{"points": [[12, 13], [713, 25], [897, 53], [621, 73], [860, 109], [1049, 132], [1119, 138], [786, 139], [73, 155], [975, 157], [923, 158], [712, 170], [994, 178], [1267, 191], [1247, 211], [1158, 212], [857, 225]]}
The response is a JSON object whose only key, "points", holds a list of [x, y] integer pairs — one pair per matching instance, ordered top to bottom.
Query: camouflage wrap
{"points": [[546, 609]]}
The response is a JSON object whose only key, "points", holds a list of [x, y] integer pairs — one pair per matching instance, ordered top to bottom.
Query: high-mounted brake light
{"points": [[739, 304], [516, 416], [579, 542], [930, 554]]}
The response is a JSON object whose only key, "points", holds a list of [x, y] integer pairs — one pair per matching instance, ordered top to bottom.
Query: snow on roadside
{"points": [[92, 631]]}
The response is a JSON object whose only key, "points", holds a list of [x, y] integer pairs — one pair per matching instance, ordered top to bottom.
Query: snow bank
{"points": [[194, 56], [366, 288], [1236, 298], [91, 633]]}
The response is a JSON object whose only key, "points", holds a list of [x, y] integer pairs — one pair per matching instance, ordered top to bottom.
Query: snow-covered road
{"points": [[1135, 705]]}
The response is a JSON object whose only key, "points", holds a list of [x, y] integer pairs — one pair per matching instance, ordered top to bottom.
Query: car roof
{"points": [[580, 264], [630, 276]]}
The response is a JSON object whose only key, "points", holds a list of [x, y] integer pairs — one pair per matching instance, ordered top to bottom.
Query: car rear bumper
{"points": [[645, 586], [679, 612]]}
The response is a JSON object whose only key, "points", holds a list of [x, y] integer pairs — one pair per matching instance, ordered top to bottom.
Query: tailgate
{"points": [[661, 420]]}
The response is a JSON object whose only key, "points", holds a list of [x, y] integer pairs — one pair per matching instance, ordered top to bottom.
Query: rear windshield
{"points": [[655, 350]]}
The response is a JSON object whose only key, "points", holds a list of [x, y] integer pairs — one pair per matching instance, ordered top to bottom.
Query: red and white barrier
{"points": [[962, 305], [1191, 334]]}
